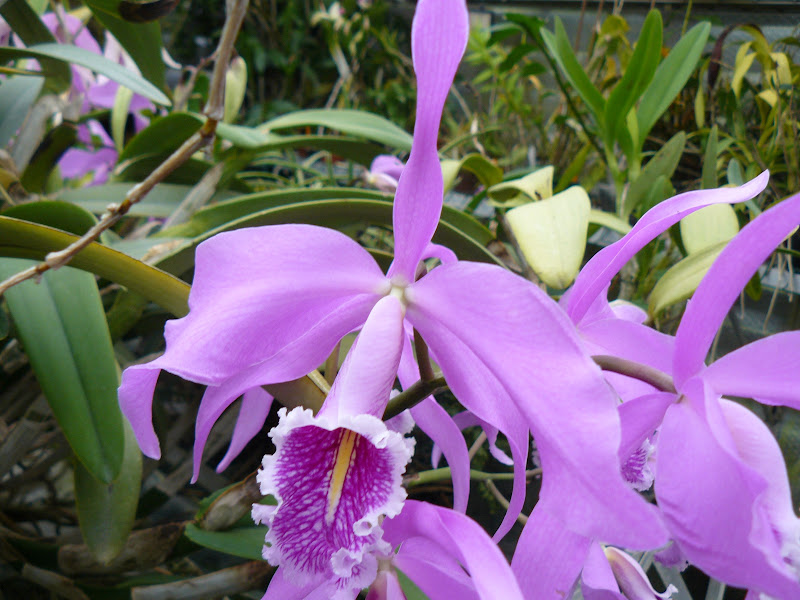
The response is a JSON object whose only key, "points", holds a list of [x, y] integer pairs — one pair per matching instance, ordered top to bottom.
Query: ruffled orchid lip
{"points": [[334, 480]]}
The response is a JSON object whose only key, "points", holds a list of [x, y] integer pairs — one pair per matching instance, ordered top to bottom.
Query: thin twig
{"points": [[214, 111], [423, 358], [658, 379], [413, 395], [473, 450], [523, 519]]}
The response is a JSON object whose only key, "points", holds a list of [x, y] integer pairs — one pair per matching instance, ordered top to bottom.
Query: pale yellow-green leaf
{"points": [[744, 60], [783, 70], [768, 96], [700, 108], [119, 116], [486, 171], [534, 186], [611, 221], [708, 226], [552, 234], [681, 280]]}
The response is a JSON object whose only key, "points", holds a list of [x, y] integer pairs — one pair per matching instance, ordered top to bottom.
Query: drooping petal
{"points": [[438, 39], [604, 265], [725, 280], [259, 289], [482, 319], [296, 358], [766, 370], [367, 376], [252, 414], [640, 418], [467, 419], [438, 425], [334, 481], [709, 499], [463, 539], [549, 557], [597, 578], [631, 578], [281, 589]]}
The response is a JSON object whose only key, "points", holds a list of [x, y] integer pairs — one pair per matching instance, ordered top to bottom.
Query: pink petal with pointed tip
{"points": [[438, 38], [604, 265], [725, 280], [258, 290], [480, 319], [767, 370], [367, 376], [136, 402], [252, 415], [463, 539], [549, 557], [597, 578]]}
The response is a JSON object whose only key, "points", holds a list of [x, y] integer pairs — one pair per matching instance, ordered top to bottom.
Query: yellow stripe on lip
{"points": [[344, 457]]}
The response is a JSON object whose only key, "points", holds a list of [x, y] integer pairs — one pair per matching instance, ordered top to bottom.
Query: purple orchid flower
{"points": [[96, 158], [384, 172], [269, 304], [610, 574]]}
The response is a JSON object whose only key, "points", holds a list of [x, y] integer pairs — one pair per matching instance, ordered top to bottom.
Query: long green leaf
{"points": [[141, 40], [560, 48], [66, 53], [638, 75], [671, 76], [17, 95], [353, 122], [162, 135], [664, 162], [709, 176], [339, 214], [23, 239], [62, 326], [106, 511], [245, 542]]}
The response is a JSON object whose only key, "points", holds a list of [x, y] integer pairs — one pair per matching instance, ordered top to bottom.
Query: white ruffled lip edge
{"points": [[376, 432]]}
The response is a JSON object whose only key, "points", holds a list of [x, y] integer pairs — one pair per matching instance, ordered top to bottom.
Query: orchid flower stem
{"points": [[214, 111], [423, 358], [332, 364], [658, 379], [413, 395], [473, 450], [443, 474], [523, 519]]}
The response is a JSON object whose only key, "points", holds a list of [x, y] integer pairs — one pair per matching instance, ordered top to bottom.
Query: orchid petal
{"points": [[438, 38], [443, 253], [604, 265], [283, 280], [725, 280], [480, 319], [631, 341], [296, 358], [766, 370], [367, 376], [479, 390], [251, 418], [640, 418], [467, 419], [438, 425], [708, 498], [463, 539], [549, 557], [597, 578], [631, 578], [435, 583], [386, 587], [281, 589]]}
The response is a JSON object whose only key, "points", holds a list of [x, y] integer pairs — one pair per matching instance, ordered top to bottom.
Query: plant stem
{"points": [[658, 379], [413, 395]]}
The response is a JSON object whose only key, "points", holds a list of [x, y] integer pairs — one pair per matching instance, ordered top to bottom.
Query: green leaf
{"points": [[25, 22], [141, 40], [560, 48], [66, 53], [638, 74], [671, 77], [17, 95], [119, 116], [353, 122], [163, 135], [57, 141], [663, 164], [486, 171], [735, 173], [709, 178], [534, 186], [162, 200], [611, 221], [551, 234], [20, 238], [681, 280], [62, 326], [106, 511], [245, 542], [410, 589]]}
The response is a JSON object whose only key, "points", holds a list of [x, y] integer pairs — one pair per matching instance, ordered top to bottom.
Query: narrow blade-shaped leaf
{"points": [[663, 163], [62, 326], [106, 511]]}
